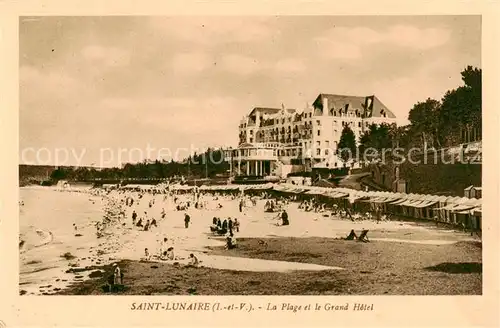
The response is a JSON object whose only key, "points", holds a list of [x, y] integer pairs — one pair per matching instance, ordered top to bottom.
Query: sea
{"points": [[54, 226]]}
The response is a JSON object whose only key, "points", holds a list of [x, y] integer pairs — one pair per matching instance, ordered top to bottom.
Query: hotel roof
{"points": [[371, 104], [269, 111]]}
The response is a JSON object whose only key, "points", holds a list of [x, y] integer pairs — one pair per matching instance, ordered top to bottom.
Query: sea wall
{"points": [[439, 178]]}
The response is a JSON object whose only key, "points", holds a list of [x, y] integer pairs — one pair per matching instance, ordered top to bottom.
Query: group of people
{"points": [[143, 223], [223, 227]]}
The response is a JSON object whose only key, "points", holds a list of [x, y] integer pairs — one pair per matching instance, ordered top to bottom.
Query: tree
{"points": [[461, 107], [424, 119], [347, 144]]}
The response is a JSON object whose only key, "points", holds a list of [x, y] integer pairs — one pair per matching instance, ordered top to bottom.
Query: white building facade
{"points": [[294, 141]]}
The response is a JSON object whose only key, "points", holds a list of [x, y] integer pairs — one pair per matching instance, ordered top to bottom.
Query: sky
{"points": [[106, 90]]}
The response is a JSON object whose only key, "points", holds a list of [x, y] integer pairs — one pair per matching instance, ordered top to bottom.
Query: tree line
{"points": [[453, 120], [208, 164]]}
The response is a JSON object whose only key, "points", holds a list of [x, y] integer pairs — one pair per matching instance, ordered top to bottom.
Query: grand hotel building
{"points": [[275, 142]]}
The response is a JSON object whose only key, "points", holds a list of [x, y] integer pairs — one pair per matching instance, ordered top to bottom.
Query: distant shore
{"points": [[375, 268]]}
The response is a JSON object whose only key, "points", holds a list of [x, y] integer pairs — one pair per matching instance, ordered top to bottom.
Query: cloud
{"points": [[214, 30], [412, 37], [350, 43], [334, 49], [107, 56], [190, 62], [242, 65], [290, 65], [47, 84]]}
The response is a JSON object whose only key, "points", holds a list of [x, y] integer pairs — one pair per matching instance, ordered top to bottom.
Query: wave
{"points": [[34, 238]]}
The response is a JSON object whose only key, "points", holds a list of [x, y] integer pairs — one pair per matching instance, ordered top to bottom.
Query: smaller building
{"points": [[473, 192]]}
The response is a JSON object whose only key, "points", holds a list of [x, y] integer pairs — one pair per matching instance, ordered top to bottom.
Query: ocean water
{"points": [[46, 232]]}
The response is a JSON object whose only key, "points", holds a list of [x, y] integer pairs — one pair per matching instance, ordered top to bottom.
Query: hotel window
{"points": [[310, 114], [282, 121], [318, 122], [359, 124], [251, 132], [319, 132], [251, 140], [318, 144], [327, 144], [326, 151], [318, 152]]}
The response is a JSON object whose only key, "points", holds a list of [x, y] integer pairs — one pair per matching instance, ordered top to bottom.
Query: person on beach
{"points": [[241, 206], [163, 213], [134, 217], [284, 218], [187, 219], [139, 223], [153, 223], [219, 224], [230, 225], [236, 225], [75, 227], [146, 227], [351, 236], [230, 241], [164, 245], [170, 255], [147, 256], [193, 260], [117, 275]]}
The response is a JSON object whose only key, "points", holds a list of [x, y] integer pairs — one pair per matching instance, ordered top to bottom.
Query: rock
{"points": [[154, 267], [96, 274], [78, 277], [22, 292]]}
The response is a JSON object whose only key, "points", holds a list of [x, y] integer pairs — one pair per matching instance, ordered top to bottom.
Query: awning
{"points": [[316, 192], [337, 195], [399, 201], [409, 202], [426, 203], [456, 207]]}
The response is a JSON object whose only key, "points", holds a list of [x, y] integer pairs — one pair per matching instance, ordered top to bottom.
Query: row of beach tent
{"points": [[445, 208]]}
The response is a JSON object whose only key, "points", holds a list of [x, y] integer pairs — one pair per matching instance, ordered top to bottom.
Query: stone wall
{"points": [[446, 179]]}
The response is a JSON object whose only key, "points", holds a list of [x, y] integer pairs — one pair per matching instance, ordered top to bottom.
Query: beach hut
{"points": [[473, 192]]}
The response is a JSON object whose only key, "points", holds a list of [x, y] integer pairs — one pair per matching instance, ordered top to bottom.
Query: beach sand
{"points": [[124, 242], [377, 268]]}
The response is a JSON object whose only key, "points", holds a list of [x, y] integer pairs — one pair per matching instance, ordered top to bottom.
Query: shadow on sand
{"points": [[468, 267]]}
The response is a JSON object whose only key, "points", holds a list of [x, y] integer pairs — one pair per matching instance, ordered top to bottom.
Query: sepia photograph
{"points": [[250, 155]]}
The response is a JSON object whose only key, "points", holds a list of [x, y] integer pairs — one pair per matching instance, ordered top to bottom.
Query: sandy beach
{"points": [[306, 250]]}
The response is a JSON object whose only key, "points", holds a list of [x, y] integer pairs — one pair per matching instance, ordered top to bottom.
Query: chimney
{"points": [[325, 106]]}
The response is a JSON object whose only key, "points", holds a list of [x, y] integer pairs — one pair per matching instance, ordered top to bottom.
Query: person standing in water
{"points": [[187, 219]]}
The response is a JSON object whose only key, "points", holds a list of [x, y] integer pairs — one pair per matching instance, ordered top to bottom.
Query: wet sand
{"points": [[376, 268]]}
